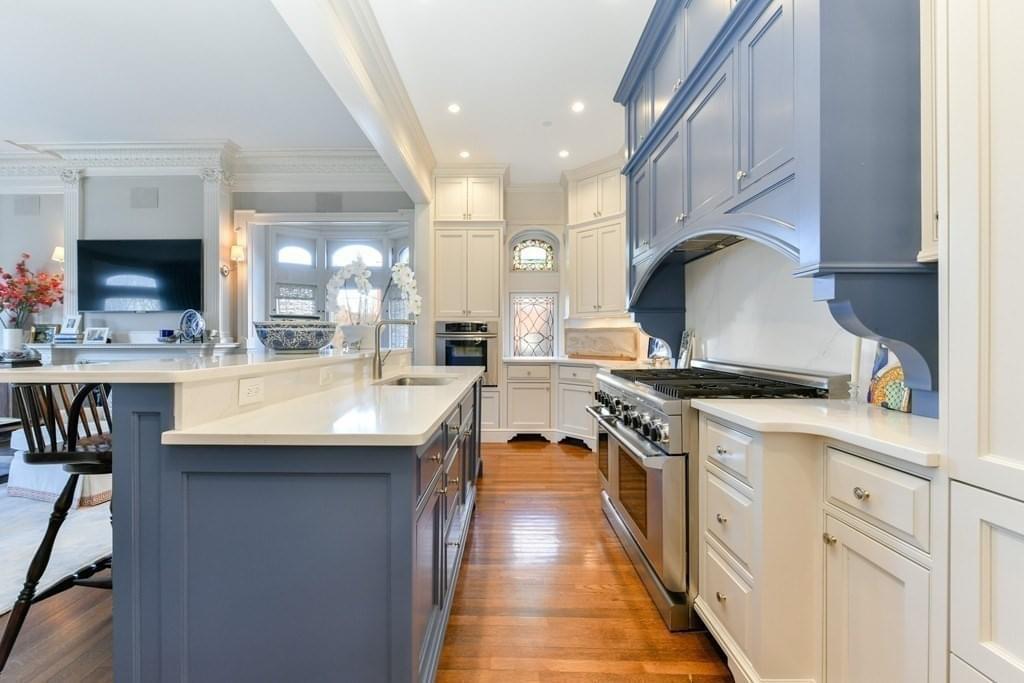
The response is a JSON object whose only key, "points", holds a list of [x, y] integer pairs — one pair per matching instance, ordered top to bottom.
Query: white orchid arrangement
{"points": [[359, 275], [404, 278]]}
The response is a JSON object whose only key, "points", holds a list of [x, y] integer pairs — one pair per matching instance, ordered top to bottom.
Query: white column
{"points": [[72, 178], [218, 234], [422, 255]]}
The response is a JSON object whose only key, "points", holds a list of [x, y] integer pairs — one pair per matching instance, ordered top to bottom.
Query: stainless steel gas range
{"points": [[649, 479]]}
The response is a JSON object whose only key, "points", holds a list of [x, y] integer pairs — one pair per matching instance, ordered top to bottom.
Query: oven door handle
{"points": [[453, 337], [622, 439]]}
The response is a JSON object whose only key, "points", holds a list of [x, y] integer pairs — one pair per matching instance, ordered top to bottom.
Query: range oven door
{"points": [[469, 350], [605, 451]]}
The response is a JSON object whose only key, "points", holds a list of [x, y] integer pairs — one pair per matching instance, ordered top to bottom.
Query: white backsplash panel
{"points": [[746, 306]]}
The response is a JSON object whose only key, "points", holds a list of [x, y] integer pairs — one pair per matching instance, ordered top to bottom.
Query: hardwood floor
{"points": [[546, 594]]}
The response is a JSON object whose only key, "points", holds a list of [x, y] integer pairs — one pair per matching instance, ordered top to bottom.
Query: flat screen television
{"points": [[140, 276]]}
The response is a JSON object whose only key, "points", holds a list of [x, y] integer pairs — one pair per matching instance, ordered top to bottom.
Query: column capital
{"points": [[215, 175], [71, 176]]}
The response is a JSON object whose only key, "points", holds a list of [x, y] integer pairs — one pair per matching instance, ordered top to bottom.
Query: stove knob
{"points": [[631, 418], [645, 424], [653, 432], [660, 432]]}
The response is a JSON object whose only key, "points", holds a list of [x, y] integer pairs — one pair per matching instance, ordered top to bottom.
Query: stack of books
{"points": [[68, 338]]}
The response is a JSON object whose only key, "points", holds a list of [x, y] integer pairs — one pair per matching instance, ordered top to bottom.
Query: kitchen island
{"points": [[285, 518]]}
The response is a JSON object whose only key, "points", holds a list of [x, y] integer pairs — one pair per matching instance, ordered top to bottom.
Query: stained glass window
{"points": [[533, 255], [533, 324]]}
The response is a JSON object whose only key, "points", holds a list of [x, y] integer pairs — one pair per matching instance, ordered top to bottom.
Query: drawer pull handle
{"points": [[720, 450], [436, 457], [861, 494], [722, 519], [829, 539], [453, 544], [720, 596]]}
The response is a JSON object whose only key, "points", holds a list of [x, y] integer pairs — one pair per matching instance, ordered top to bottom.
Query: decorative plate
{"points": [[192, 325]]}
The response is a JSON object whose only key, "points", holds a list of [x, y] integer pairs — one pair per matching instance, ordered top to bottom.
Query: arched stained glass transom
{"points": [[533, 255]]}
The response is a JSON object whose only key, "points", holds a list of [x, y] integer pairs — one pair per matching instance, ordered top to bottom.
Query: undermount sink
{"points": [[412, 381]]}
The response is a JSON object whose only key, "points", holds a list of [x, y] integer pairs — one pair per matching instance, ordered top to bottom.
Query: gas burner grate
{"points": [[701, 383]]}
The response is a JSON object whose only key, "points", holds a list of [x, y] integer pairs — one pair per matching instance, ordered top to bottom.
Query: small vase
{"points": [[358, 337], [12, 339]]}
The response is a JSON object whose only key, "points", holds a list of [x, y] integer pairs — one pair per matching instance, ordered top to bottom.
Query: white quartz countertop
{"points": [[566, 360], [178, 369], [366, 413], [907, 437]]}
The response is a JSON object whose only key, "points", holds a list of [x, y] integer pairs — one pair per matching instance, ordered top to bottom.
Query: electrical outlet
{"points": [[326, 376], [250, 390]]}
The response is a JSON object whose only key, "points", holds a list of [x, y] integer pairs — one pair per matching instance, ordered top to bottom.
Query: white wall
{"points": [[33, 224], [746, 306]]}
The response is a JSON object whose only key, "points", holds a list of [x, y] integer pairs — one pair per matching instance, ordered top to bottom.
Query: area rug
{"points": [[84, 537]]}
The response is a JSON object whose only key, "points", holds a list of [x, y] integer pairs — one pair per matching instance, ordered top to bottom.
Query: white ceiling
{"points": [[511, 65], [162, 70]]}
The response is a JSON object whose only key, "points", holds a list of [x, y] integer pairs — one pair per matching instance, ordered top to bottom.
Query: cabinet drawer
{"points": [[529, 372], [571, 373], [728, 449], [430, 459], [895, 501], [728, 517], [726, 594]]}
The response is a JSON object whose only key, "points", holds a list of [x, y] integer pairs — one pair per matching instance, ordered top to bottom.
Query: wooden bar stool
{"points": [[69, 425]]}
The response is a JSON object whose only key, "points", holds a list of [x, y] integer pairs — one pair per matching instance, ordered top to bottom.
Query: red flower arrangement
{"points": [[23, 292]]}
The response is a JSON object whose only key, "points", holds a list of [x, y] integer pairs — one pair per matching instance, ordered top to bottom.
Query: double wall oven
{"points": [[468, 343]]}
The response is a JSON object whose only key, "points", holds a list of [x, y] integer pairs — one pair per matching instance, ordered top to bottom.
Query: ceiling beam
{"points": [[344, 41]]}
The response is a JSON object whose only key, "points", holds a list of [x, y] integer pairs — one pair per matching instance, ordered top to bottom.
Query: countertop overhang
{"points": [[365, 413], [904, 436]]}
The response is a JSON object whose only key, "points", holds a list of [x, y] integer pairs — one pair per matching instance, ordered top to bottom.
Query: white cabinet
{"points": [[601, 195], [468, 198], [598, 259], [467, 274], [574, 395], [529, 406], [490, 408], [986, 585], [876, 610]]}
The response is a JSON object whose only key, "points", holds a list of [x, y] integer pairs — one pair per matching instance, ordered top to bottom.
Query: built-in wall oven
{"points": [[469, 343]]}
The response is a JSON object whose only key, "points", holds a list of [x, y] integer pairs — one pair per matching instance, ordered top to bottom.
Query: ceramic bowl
{"points": [[295, 336]]}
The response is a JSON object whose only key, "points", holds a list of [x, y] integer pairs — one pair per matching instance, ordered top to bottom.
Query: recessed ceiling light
{"points": [[578, 106], [454, 108], [564, 153], [464, 154]]}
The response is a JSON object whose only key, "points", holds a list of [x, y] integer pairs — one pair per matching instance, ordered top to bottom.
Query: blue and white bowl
{"points": [[295, 336]]}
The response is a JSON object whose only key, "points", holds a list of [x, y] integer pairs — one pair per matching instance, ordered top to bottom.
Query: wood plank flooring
{"points": [[546, 594]]}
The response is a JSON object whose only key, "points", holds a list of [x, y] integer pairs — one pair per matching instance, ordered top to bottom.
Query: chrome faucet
{"points": [[378, 360]]}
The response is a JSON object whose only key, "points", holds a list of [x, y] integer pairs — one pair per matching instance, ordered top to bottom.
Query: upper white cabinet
{"points": [[596, 195], [468, 198], [598, 262], [467, 272]]}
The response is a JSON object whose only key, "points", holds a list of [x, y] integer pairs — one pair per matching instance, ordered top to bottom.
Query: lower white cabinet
{"points": [[529, 406], [490, 408], [573, 418], [987, 582], [876, 610]]}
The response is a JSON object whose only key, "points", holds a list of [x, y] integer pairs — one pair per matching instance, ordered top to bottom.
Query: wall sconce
{"points": [[58, 255], [237, 256]]}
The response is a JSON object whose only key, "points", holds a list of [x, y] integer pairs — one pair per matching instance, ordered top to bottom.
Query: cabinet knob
{"points": [[677, 85], [642, 137], [741, 174], [680, 218], [645, 243], [720, 450], [436, 457], [454, 482], [861, 494], [722, 519], [829, 539], [453, 544], [720, 596]]}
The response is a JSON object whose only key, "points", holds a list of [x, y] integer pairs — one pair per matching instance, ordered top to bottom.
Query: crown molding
{"points": [[343, 39], [612, 162], [474, 169], [257, 170]]}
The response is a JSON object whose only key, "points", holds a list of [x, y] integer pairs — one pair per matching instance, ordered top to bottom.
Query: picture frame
{"points": [[72, 324], [43, 333], [96, 335]]}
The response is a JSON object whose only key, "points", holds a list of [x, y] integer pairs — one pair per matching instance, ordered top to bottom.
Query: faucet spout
{"points": [[378, 359]]}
